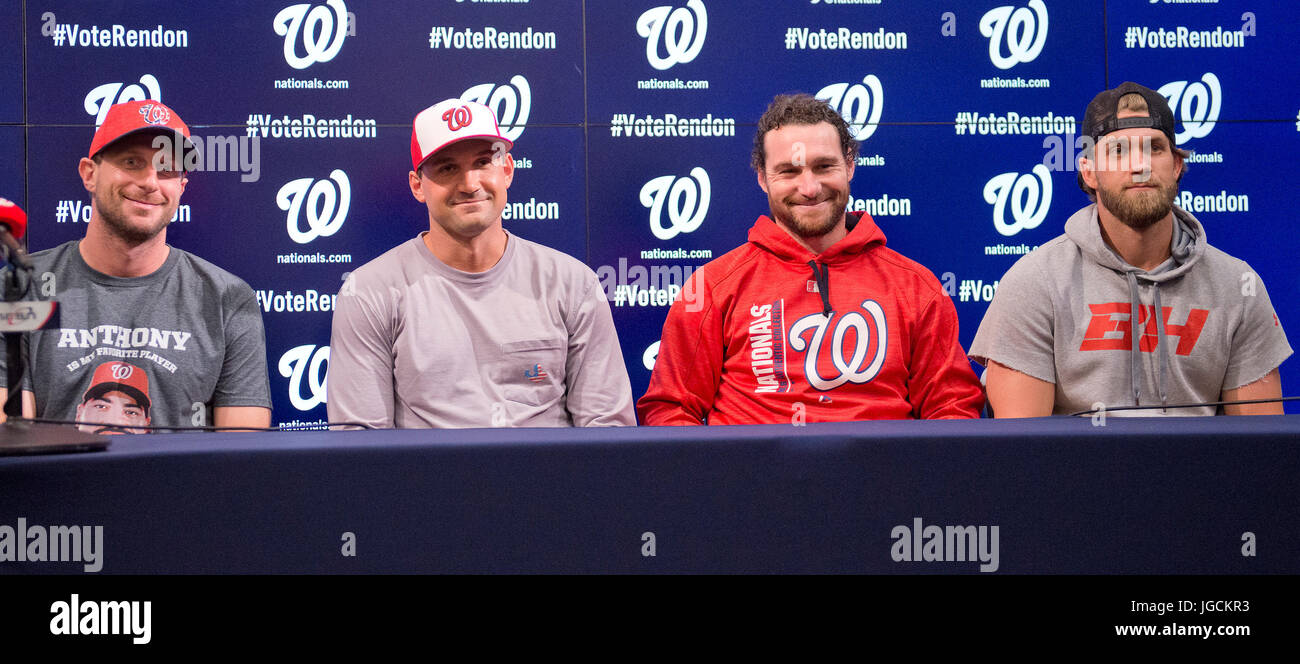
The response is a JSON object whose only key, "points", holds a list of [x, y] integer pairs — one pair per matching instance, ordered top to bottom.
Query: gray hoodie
{"points": [[1062, 314]]}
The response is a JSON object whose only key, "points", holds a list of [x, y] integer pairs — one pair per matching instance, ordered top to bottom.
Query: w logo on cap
{"points": [[155, 114], [458, 118], [452, 120], [122, 371]]}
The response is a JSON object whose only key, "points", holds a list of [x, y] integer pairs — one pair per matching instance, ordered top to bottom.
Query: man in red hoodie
{"points": [[813, 319]]}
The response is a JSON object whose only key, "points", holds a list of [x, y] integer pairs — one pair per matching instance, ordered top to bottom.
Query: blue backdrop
{"points": [[633, 123]]}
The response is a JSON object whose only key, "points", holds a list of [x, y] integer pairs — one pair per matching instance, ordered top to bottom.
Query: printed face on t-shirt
{"points": [[112, 412]]}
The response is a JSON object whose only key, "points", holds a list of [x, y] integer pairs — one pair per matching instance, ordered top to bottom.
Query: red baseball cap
{"points": [[133, 117], [451, 121], [119, 377]]}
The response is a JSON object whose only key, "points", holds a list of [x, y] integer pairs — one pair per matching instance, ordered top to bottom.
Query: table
{"points": [[1146, 496]]}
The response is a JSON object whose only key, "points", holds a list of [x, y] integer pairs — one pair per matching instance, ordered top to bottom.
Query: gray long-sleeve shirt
{"points": [[529, 342]]}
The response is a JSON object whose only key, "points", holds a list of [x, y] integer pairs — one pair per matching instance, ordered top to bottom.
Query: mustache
{"points": [[148, 200], [809, 201]]}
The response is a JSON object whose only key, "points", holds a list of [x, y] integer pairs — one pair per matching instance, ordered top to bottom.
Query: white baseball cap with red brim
{"points": [[451, 121]]}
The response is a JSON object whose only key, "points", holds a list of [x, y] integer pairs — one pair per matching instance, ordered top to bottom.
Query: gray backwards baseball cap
{"points": [[1100, 117]]}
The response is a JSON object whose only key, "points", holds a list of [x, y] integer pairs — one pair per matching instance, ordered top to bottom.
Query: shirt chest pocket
{"points": [[531, 371]]}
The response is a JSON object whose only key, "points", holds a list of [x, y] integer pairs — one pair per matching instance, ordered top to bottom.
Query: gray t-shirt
{"points": [[1063, 314], [192, 329], [529, 342]]}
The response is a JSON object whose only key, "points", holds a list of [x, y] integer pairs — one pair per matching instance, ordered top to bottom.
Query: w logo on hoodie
{"points": [[870, 341]]}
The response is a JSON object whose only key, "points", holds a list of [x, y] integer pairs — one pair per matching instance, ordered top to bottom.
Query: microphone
{"points": [[13, 225]]}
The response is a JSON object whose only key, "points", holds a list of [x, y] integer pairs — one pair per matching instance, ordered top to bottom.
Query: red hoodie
{"points": [[748, 340]]}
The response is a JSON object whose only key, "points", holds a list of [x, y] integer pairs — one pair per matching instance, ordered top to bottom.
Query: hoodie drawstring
{"points": [[822, 275], [1136, 333], [1161, 347], [1135, 358]]}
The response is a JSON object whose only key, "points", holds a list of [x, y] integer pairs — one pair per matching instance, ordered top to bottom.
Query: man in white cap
{"points": [[468, 325], [191, 329]]}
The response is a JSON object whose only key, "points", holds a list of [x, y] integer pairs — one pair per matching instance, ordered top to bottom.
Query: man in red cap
{"points": [[468, 325], [190, 329], [116, 401]]}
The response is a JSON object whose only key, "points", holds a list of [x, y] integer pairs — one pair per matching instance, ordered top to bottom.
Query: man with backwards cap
{"points": [[129, 300], [468, 325], [1061, 335]]}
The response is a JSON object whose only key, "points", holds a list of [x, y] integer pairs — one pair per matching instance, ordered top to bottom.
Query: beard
{"points": [[1139, 210], [118, 224], [812, 227]]}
